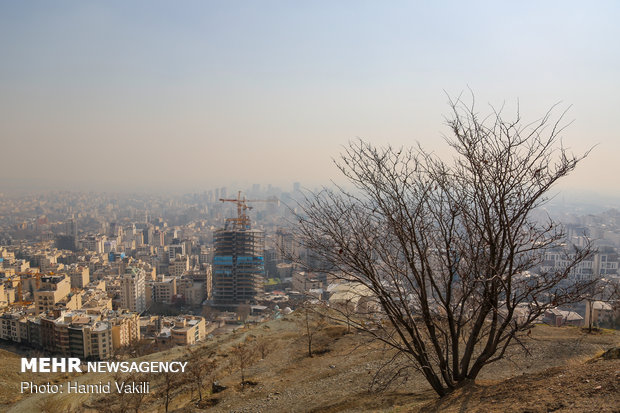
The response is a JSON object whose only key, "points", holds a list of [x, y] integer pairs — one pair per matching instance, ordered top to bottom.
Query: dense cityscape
{"points": [[92, 275]]}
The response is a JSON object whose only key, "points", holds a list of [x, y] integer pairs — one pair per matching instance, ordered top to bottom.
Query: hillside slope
{"points": [[338, 377], [578, 387]]}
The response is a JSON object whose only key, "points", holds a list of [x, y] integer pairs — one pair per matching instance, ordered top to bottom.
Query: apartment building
{"points": [[52, 289], [132, 290]]}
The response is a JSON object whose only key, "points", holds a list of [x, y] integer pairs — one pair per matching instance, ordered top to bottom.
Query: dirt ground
{"points": [[552, 377], [338, 379], [577, 387]]}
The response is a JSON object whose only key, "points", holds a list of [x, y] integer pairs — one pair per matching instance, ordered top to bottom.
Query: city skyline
{"points": [[113, 96]]}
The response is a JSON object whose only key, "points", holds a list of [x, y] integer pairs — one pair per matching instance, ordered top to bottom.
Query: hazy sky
{"points": [[183, 95]]}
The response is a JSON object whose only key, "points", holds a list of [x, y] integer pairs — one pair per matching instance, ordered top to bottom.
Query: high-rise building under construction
{"points": [[238, 261]]}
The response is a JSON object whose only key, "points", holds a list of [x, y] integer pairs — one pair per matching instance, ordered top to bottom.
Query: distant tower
{"points": [[74, 232], [68, 240], [284, 245]]}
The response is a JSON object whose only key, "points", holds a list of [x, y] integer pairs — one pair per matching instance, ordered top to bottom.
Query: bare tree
{"points": [[449, 249], [345, 303], [243, 312], [209, 313], [311, 322], [309, 330], [263, 346], [243, 354], [198, 369], [169, 387], [137, 399], [117, 401], [121, 401]]}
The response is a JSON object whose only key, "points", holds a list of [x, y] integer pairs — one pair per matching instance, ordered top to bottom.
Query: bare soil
{"points": [[552, 376], [338, 379], [577, 387]]}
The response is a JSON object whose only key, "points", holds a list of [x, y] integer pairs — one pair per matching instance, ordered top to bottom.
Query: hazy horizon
{"points": [[188, 96]]}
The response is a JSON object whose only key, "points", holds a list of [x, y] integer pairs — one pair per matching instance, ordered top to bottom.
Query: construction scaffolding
{"points": [[238, 261]]}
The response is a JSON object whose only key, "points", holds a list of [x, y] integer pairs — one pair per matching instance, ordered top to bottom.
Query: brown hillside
{"points": [[338, 377], [577, 387]]}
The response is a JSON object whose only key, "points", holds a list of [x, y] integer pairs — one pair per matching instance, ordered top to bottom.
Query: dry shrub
{"points": [[335, 331]]}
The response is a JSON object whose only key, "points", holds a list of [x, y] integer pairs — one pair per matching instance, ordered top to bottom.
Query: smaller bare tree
{"points": [[345, 305], [243, 312], [209, 313], [311, 322], [263, 346], [242, 356], [198, 370], [169, 387], [136, 400], [118, 401]]}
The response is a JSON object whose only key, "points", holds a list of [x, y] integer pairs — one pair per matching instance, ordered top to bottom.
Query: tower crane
{"points": [[243, 220]]}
